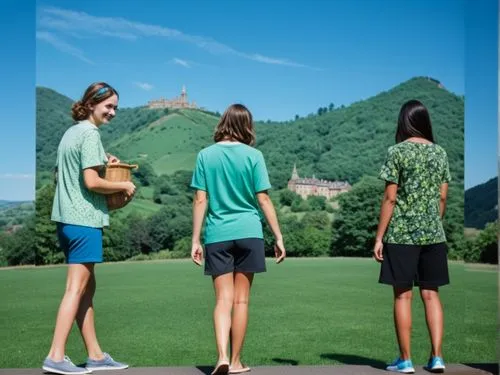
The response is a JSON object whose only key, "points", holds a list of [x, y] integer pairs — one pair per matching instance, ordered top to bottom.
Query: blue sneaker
{"points": [[107, 363], [436, 364], [400, 365], [64, 367]]}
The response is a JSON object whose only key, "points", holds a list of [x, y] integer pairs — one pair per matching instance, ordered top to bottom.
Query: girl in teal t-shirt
{"points": [[231, 180], [80, 211], [410, 242]]}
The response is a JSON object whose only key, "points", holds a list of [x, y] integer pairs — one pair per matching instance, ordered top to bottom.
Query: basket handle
{"points": [[122, 165]]}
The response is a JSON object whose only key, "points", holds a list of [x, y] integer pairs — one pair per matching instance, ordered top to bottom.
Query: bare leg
{"points": [[76, 283], [242, 285], [224, 291], [434, 318], [402, 319], [85, 321]]}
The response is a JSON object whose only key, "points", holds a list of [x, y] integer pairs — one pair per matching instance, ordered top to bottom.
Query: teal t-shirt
{"points": [[80, 148], [419, 170], [231, 174]]}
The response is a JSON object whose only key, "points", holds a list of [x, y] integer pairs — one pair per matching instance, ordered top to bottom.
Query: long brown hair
{"points": [[95, 93], [236, 124]]}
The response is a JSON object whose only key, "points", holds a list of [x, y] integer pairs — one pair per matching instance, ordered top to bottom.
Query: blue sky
{"points": [[279, 60], [17, 75], [481, 91]]}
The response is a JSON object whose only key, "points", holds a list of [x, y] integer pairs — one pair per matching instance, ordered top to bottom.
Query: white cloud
{"points": [[68, 21], [62, 45], [181, 62], [144, 85], [16, 176]]}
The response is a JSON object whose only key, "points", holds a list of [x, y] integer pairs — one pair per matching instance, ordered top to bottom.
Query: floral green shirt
{"points": [[80, 148], [419, 169]]}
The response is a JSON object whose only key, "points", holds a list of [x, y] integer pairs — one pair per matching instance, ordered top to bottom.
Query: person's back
{"points": [[419, 169], [233, 173], [231, 182], [410, 242]]}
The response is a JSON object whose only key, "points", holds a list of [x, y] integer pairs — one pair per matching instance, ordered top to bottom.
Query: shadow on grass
{"points": [[352, 359], [286, 361], [491, 368]]}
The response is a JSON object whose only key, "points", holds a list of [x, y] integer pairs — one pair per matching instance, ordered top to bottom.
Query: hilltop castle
{"points": [[177, 102], [313, 186]]}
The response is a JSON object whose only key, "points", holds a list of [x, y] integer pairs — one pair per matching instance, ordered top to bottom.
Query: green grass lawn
{"points": [[312, 311]]}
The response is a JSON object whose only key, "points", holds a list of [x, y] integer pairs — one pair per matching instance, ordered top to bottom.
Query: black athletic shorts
{"points": [[242, 255], [421, 265]]}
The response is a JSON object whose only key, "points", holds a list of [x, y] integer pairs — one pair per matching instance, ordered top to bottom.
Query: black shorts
{"points": [[242, 255], [421, 265]]}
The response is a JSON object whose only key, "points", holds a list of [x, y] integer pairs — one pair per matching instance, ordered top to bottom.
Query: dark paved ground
{"points": [[452, 369]]}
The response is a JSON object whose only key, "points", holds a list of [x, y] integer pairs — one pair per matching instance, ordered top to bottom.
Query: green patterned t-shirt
{"points": [[80, 148], [419, 169]]}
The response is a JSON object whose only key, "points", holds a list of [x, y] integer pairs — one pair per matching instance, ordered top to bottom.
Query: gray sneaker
{"points": [[107, 363], [65, 367]]}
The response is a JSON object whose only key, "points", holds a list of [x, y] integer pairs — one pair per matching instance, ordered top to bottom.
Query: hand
{"points": [[112, 159], [128, 189], [279, 251], [378, 251], [197, 253]]}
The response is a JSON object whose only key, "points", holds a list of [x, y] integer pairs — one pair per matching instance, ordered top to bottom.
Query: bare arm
{"points": [[99, 185], [442, 199], [199, 208], [267, 208], [386, 210]]}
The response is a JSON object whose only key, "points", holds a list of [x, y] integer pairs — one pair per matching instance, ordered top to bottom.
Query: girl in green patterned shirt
{"points": [[410, 242]]}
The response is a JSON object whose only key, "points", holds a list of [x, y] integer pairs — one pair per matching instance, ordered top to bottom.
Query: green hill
{"points": [[53, 117], [350, 142], [169, 143], [344, 143], [481, 204]]}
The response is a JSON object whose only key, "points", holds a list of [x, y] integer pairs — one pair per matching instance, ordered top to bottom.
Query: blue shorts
{"points": [[80, 244]]}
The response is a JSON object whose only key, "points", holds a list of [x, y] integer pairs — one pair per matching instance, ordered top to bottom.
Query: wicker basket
{"points": [[118, 172]]}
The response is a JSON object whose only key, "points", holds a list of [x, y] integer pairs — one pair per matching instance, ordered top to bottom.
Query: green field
{"points": [[311, 311]]}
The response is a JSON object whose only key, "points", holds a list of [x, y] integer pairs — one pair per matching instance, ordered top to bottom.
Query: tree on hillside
{"points": [[145, 174], [287, 197], [316, 203], [316, 219], [356, 220], [18, 248], [484, 248], [47, 249]]}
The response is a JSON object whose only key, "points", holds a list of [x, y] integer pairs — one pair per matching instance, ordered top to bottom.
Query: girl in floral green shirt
{"points": [[80, 211], [410, 242]]}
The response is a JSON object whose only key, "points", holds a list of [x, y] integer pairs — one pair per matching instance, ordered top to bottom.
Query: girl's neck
{"points": [[93, 121], [228, 140], [418, 140]]}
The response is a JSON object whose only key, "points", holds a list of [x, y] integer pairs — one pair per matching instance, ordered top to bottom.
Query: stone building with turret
{"points": [[177, 102], [314, 186]]}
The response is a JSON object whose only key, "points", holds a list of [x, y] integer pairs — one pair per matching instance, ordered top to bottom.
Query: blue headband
{"points": [[101, 91]]}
